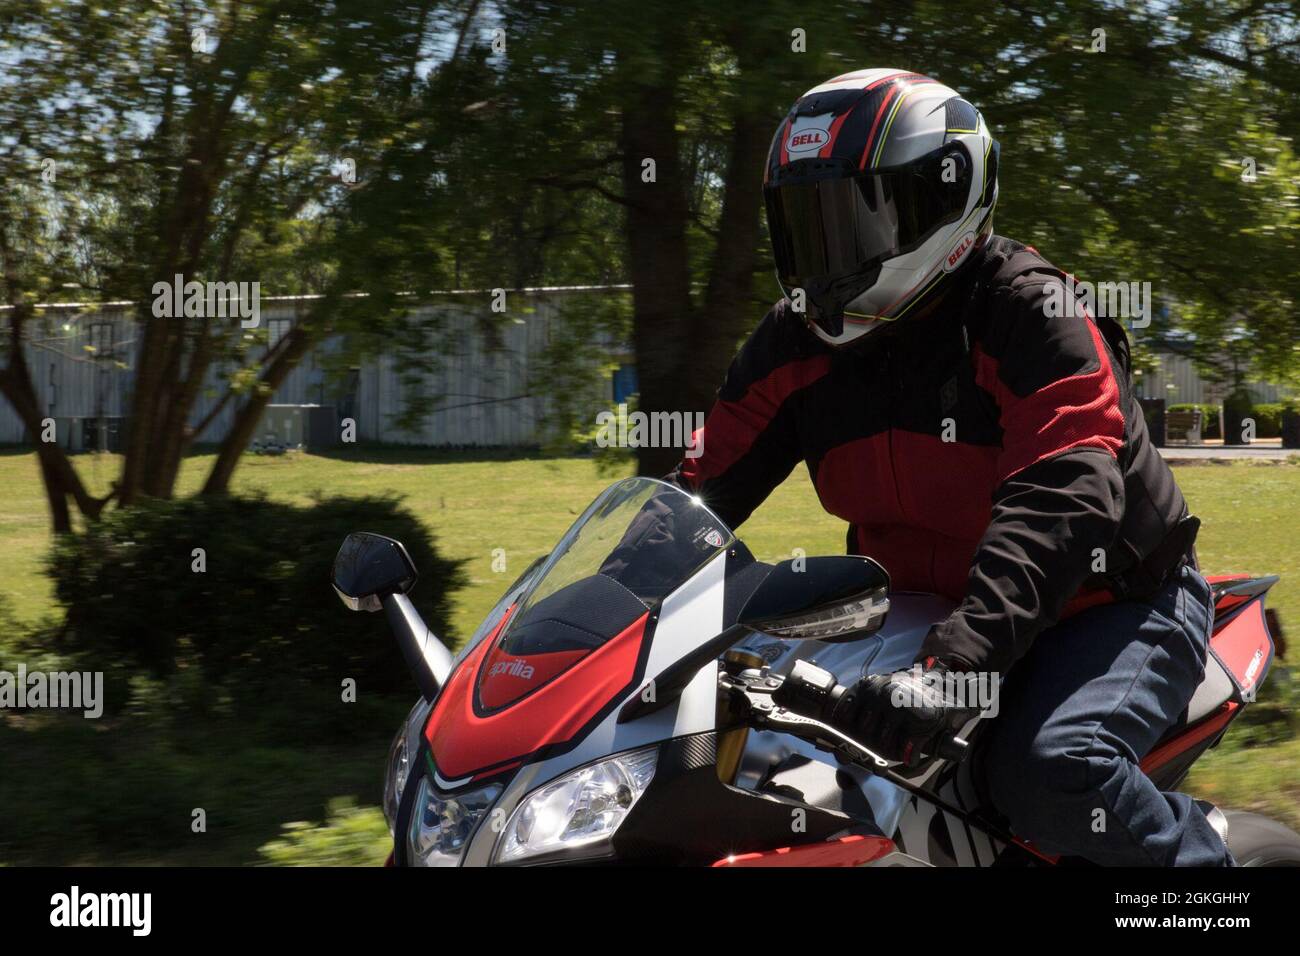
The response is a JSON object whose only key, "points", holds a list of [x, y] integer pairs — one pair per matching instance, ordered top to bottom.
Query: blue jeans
{"points": [[1078, 713]]}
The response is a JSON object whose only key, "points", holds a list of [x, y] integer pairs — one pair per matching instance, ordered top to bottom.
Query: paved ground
{"points": [[1265, 448]]}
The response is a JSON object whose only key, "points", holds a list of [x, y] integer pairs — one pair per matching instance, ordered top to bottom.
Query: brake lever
{"points": [[761, 711], [764, 712], [778, 718]]}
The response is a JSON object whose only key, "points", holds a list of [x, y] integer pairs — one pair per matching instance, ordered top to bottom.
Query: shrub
{"points": [[1268, 419], [1210, 420], [260, 630], [352, 836]]}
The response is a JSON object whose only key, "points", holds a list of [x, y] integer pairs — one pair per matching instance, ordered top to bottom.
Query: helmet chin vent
{"points": [[827, 299]]}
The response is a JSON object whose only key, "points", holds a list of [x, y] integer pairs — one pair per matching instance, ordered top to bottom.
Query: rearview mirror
{"points": [[369, 567], [836, 598]]}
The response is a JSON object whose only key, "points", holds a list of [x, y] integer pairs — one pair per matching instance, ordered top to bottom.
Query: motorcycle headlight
{"points": [[398, 768], [579, 810], [442, 824]]}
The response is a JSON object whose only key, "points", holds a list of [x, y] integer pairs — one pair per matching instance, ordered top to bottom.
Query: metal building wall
{"points": [[72, 360], [81, 361], [482, 387], [1189, 388]]}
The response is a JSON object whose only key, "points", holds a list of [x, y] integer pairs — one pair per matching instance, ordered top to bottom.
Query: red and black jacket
{"points": [[989, 451]]}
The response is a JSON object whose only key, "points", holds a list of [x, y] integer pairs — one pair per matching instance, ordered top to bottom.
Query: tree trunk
{"points": [[658, 258], [729, 307], [250, 413], [140, 428], [175, 431], [61, 479], [56, 493]]}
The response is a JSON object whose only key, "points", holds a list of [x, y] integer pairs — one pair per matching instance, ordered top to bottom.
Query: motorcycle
{"points": [[651, 693]]}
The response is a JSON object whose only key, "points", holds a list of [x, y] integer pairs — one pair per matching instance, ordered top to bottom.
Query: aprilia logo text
{"points": [[513, 668]]}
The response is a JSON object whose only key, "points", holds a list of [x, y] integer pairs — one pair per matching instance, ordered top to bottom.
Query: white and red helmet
{"points": [[879, 185]]}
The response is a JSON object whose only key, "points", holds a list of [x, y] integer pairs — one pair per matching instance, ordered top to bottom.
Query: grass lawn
{"points": [[475, 506], [1251, 513]]}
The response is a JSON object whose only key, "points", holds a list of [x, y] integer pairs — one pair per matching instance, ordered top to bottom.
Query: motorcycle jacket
{"points": [[990, 450]]}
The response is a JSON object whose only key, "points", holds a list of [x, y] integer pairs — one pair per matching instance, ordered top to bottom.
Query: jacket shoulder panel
{"points": [[1032, 326], [781, 339]]}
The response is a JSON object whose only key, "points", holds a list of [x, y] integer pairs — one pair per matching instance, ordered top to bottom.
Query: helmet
{"points": [[879, 185]]}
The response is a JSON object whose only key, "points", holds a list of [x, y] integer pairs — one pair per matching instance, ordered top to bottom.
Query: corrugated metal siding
{"points": [[80, 363], [73, 366], [482, 386], [1189, 388]]}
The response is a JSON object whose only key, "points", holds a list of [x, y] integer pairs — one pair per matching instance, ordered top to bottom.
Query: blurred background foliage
{"points": [[398, 147], [368, 152], [251, 633]]}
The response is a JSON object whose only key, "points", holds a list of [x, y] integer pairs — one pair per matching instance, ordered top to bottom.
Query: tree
{"points": [[664, 113], [1122, 132], [505, 143], [208, 144], [32, 264]]}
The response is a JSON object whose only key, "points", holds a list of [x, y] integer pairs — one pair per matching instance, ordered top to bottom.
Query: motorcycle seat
{"points": [[1215, 689]]}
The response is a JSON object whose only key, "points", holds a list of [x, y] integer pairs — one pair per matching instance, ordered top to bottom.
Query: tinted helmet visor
{"points": [[830, 235]]}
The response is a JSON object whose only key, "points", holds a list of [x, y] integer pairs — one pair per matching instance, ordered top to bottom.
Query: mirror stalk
{"points": [[427, 657]]}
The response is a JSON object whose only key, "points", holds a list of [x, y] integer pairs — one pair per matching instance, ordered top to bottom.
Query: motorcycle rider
{"points": [[978, 431]]}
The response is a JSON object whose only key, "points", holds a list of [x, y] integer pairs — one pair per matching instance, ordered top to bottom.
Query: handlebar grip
{"points": [[808, 690], [812, 691], [954, 748]]}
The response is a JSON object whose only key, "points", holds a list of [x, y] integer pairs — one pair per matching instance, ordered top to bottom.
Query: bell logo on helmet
{"points": [[807, 140], [959, 252]]}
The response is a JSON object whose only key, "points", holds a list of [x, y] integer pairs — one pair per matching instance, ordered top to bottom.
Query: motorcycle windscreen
{"points": [[636, 543]]}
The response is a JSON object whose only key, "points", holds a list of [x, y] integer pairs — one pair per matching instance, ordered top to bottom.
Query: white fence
{"points": [[82, 361], [1178, 383]]}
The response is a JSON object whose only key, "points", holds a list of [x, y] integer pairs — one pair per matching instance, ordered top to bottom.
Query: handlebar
{"points": [[812, 692], [754, 694]]}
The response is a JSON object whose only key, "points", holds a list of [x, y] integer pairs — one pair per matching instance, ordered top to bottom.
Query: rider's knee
{"points": [[1041, 783]]}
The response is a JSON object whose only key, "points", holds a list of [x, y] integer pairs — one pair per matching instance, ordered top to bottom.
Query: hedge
{"points": [[260, 627]]}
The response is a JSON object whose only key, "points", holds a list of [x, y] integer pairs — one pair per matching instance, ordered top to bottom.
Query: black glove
{"points": [[904, 714]]}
